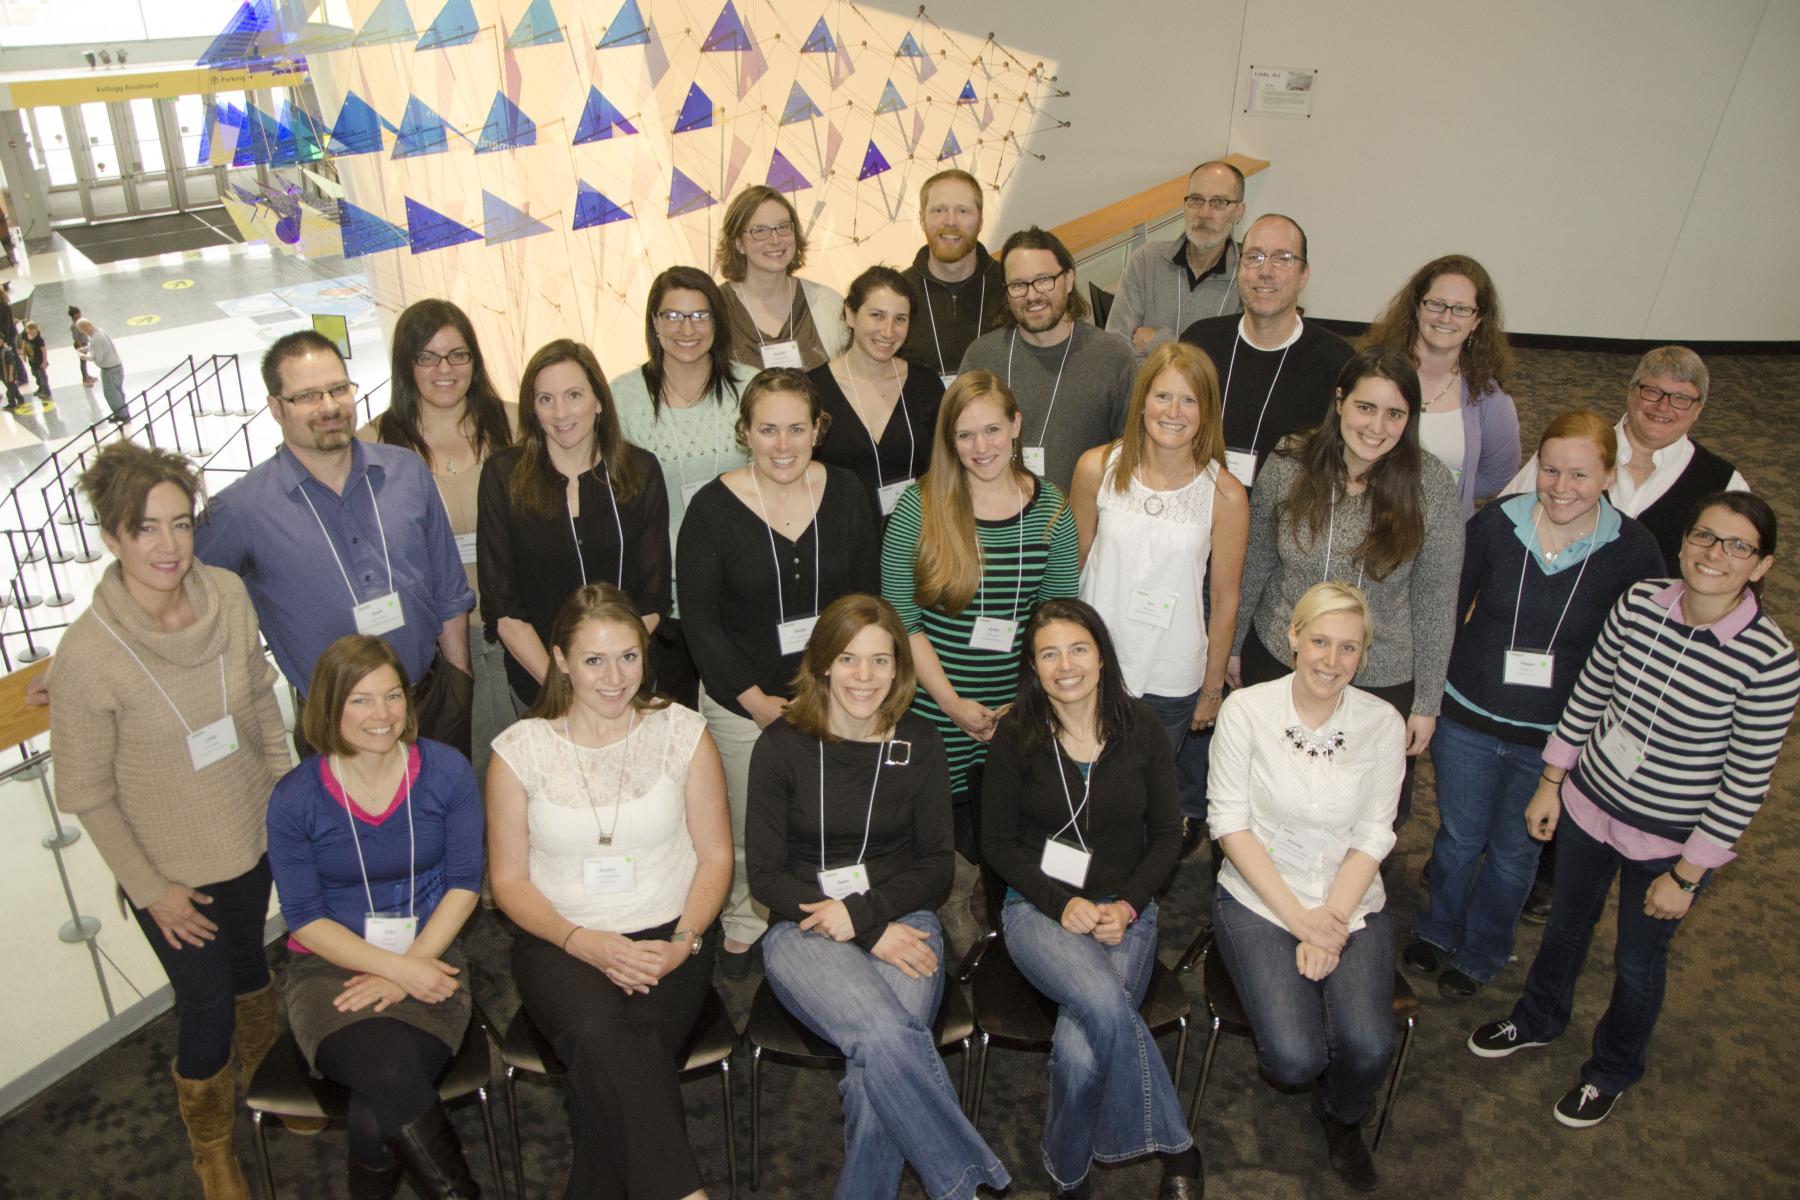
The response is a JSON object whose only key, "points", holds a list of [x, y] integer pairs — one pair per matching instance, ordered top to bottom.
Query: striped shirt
{"points": [[1026, 558], [1708, 705]]}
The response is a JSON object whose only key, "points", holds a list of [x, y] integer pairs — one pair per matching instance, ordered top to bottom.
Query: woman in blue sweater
{"points": [[1541, 571], [1661, 760], [375, 845]]}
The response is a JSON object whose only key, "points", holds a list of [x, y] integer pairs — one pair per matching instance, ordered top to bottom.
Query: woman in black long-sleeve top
{"points": [[571, 503], [762, 551], [1080, 817], [856, 951]]}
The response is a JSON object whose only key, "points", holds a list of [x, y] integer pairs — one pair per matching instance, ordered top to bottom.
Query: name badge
{"points": [[781, 354], [949, 377], [1034, 459], [1242, 464], [688, 490], [889, 494], [465, 548], [1153, 608], [381, 615], [993, 633], [794, 634], [1530, 668], [209, 743], [1622, 750], [1301, 850], [1066, 863], [605, 874], [839, 882], [390, 931]]}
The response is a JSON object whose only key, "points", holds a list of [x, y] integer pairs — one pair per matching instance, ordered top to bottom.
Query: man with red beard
{"points": [[1169, 285], [959, 291]]}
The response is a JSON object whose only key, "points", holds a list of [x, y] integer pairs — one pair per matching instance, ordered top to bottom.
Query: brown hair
{"points": [[956, 174], [743, 206], [1034, 238], [1486, 359], [1196, 367], [779, 379], [484, 416], [1588, 425], [119, 481], [536, 486], [596, 603], [842, 620], [346, 663]]}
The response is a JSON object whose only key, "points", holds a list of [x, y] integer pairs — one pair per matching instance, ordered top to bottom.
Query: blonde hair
{"points": [[1194, 366], [1333, 596], [838, 625]]}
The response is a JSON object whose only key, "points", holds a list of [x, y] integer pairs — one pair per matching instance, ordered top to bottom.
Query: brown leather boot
{"points": [[254, 1031], [209, 1110]]}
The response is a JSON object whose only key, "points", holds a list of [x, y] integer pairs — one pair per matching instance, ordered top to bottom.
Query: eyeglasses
{"points": [[1216, 203], [762, 233], [1282, 260], [1043, 283], [1438, 308], [671, 319], [462, 356], [314, 396], [1679, 401], [1703, 538]]}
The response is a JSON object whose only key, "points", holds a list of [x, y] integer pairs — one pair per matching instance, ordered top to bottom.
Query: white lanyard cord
{"points": [[1183, 289], [931, 316], [785, 325], [1055, 388], [1225, 397], [912, 442], [618, 523], [1330, 533], [332, 546], [1019, 582], [1519, 600], [780, 604], [1645, 665], [224, 702], [624, 743], [1087, 783], [868, 817], [412, 846]]}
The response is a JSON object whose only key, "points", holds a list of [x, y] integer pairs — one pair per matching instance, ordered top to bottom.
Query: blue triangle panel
{"points": [[390, 22], [455, 26], [537, 27], [627, 29], [728, 32], [819, 41], [238, 42], [910, 48], [967, 95], [890, 100], [800, 107], [696, 111], [599, 120], [358, 128], [507, 128], [421, 131], [260, 134], [206, 135], [308, 145], [246, 146], [952, 147], [873, 163], [784, 177], [686, 196], [592, 208], [501, 222], [428, 229], [366, 233]]}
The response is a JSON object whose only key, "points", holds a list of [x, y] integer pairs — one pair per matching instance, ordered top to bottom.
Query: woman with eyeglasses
{"points": [[1447, 317], [776, 319], [682, 406], [882, 410], [573, 503], [1659, 764]]}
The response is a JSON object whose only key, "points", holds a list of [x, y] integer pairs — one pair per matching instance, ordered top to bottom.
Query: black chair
{"points": [[1101, 301], [1226, 1013], [774, 1031], [526, 1050], [285, 1087]]}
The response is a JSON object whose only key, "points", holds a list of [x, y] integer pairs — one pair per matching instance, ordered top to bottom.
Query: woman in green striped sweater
{"points": [[969, 551]]}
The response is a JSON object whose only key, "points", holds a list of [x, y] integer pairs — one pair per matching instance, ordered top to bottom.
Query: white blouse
{"points": [[634, 790], [1335, 792]]}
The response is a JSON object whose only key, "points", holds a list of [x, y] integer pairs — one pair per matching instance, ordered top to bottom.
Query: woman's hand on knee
{"points": [[1080, 916], [829, 917], [1109, 930], [908, 949], [1313, 962], [631, 965], [427, 980], [360, 991]]}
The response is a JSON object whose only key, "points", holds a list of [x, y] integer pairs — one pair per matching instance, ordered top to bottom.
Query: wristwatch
{"points": [[1684, 885], [691, 937]]}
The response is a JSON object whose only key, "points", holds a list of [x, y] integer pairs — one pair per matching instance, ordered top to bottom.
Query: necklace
{"points": [[1445, 390], [1550, 554], [1315, 745]]}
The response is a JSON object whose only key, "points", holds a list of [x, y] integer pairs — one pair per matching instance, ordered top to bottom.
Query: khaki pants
{"points": [[743, 919]]}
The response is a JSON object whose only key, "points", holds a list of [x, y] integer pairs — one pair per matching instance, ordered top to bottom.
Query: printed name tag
{"points": [[781, 354], [949, 377], [1034, 459], [1242, 464], [688, 490], [890, 493], [465, 548], [1151, 607], [381, 615], [993, 633], [793, 634], [1530, 668], [209, 743], [1622, 750], [1302, 850], [1064, 862], [604, 874], [844, 881], [390, 931]]}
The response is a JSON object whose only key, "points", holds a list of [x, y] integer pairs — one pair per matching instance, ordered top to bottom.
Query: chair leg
{"points": [[1196, 950], [968, 1051], [1180, 1051], [1206, 1062], [980, 1082], [1387, 1105], [755, 1118], [512, 1120], [730, 1128], [493, 1143], [262, 1151]]}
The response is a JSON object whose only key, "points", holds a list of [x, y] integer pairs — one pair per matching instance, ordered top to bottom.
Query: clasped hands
{"points": [[1106, 922], [1323, 935], [900, 946], [634, 966], [427, 980]]}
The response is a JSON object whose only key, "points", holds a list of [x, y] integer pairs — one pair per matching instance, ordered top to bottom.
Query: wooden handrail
{"points": [[1085, 232]]}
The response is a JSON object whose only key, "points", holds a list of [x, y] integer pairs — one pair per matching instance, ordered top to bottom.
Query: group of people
{"points": [[25, 358], [833, 598]]}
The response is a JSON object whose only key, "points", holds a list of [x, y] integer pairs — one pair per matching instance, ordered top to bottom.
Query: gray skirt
{"points": [[309, 984]]}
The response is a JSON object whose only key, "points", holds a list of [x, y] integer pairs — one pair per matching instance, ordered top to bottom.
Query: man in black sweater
{"points": [[959, 291]]}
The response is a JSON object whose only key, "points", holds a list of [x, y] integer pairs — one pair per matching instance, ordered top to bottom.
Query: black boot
{"points": [[1349, 1155], [432, 1156], [374, 1183]]}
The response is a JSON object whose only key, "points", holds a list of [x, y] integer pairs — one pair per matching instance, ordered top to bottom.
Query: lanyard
{"points": [[1183, 288], [931, 317], [1057, 387], [1225, 399], [912, 443], [618, 523], [1330, 532], [332, 546], [1019, 582], [1519, 600], [780, 604], [1644, 665], [224, 702], [1087, 783], [868, 817], [605, 835], [412, 846]]}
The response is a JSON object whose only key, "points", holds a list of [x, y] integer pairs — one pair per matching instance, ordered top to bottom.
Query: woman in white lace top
{"points": [[611, 850]]}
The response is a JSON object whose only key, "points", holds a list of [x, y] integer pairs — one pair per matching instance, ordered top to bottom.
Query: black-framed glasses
{"points": [[1216, 203], [762, 233], [1281, 260], [1043, 283], [1438, 308], [672, 319], [462, 356], [313, 396], [1679, 401], [1705, 539]]}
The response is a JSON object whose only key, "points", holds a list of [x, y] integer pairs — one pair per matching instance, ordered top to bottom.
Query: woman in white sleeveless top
{"points": [[1154, 510]]}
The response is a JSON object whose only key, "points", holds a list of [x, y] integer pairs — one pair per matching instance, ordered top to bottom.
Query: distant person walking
{"points": [[6, 238], [9, 324], [81, 341], [103, 354], [37, 357]]}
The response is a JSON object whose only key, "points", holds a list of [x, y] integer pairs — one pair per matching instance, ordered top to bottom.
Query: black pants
{"points": [[1260, 666], [208, 979], [621, 1051], [391, 1069]]}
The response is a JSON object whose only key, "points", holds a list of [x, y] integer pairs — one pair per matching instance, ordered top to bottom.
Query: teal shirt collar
{"points": [[1606, 528]]}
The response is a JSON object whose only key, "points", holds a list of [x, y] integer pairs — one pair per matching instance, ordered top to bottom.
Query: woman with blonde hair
{"points": [[777, 319]]}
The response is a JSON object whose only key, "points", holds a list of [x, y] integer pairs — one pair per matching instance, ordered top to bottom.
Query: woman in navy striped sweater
{"points": [[1662, 758]]}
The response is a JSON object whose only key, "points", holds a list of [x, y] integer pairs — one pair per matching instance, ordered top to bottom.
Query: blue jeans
{"points": [[1191, 748], [1483, 786], [1584, 875], [1340, 1027], [1111, 1098], [899, 1104]]}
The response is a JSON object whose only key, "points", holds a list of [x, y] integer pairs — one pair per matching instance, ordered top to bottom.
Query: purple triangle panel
{"points": [[728, 32], [819, 41], [696, 111], [873, 163], [784, 177], [686, 196], [593, 208], [428, 229]]}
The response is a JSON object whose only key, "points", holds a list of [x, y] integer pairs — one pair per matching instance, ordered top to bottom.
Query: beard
{"points": [[952, 253], [1045, 319]]}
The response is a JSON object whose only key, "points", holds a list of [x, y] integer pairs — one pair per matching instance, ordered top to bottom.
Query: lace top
{"points": [[634, 790]]}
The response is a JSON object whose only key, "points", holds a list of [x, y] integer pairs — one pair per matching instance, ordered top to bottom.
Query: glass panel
{"points": [[58, 22], [190, 120], [149, 138], [100, 140], [52, 145]]}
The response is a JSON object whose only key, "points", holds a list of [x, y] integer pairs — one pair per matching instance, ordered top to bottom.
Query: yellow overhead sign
{"points": [[154, 83]]}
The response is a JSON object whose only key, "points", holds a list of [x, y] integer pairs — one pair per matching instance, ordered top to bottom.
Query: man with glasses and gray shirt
{"points": [[1169, 285]]}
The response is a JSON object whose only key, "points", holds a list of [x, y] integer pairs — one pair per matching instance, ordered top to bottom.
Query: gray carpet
{"points": [[1715, 1115]]}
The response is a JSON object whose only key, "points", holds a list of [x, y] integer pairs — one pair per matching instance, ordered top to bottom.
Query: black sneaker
{"points": [[1193, 832], [1537, 905], [1421, 958], [1454, 985], [1497, 1039], [1584, 1105]]}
